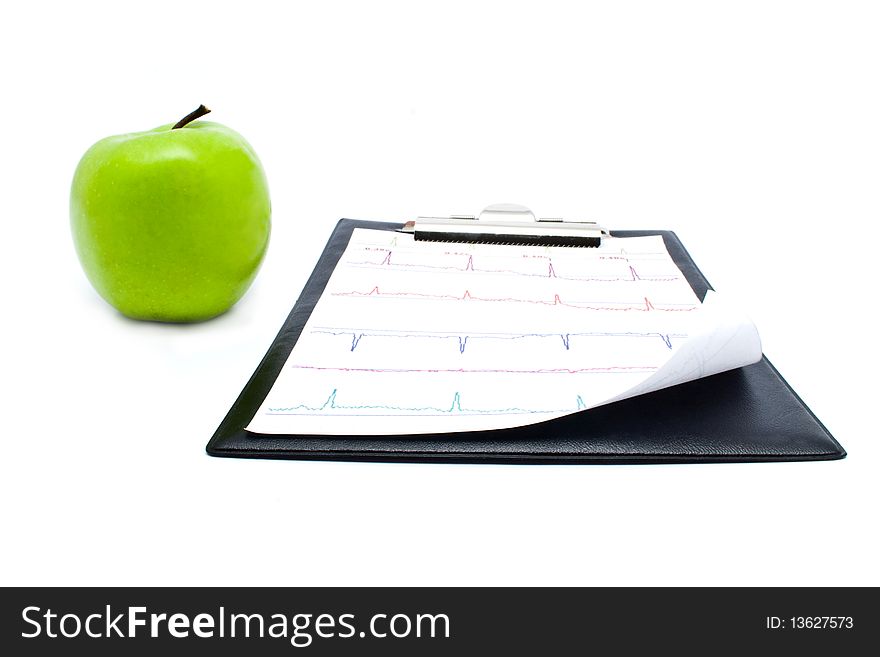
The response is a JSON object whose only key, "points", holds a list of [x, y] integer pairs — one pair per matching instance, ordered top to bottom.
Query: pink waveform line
{"points": [[647, 306], [461, 370]]}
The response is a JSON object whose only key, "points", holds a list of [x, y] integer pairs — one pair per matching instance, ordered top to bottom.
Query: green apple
{"points": [[171, 224]]}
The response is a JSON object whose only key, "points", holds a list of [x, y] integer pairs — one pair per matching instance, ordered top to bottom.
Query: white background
{"points": [[752, 129]]}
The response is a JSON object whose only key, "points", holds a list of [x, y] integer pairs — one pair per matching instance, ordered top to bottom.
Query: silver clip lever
{"points": [[506, 224]]}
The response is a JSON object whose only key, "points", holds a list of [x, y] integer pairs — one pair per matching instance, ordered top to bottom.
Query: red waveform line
{"points": [[551, 270], [645, 306]]}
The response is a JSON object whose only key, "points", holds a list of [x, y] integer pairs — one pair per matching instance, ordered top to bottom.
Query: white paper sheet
{"points": [[421, 337]]}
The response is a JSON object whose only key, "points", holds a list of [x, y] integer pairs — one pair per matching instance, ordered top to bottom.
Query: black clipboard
{"points": [[744, 415]]}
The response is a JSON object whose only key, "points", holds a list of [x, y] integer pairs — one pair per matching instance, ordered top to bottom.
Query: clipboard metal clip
{"points": [[506, 223]]}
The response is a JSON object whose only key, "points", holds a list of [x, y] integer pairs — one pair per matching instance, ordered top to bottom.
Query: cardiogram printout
{"points": [[423, 337]]}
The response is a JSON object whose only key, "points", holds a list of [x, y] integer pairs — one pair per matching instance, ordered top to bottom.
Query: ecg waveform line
{"points": [[632, 277], [640, 306], [464, 338], [614, 369], [455, 407]]}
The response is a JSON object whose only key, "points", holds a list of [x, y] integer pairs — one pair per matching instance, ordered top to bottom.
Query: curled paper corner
{"points": [[721, 338]]}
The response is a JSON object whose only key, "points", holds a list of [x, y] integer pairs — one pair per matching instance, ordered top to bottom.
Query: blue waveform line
{"points": [[464, 338], [455, 407]]}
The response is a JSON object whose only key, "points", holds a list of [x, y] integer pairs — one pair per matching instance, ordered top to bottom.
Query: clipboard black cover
{"points": [[744, 415]]}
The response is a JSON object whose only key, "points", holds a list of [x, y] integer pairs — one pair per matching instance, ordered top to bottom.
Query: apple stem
{"points": [[192, 116]]}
